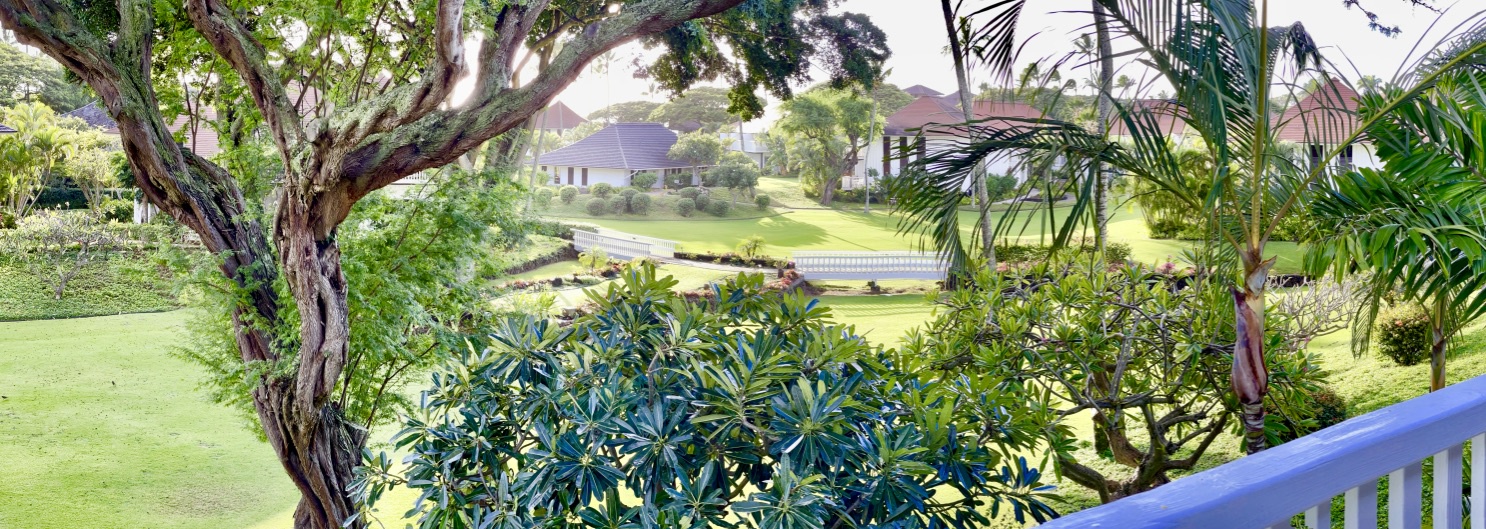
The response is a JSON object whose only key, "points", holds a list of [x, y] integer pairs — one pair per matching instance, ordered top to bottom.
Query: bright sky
{"points": [[915, 30]]}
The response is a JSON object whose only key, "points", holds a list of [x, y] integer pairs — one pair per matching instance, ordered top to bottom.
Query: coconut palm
{"points": [[1224, 61]]}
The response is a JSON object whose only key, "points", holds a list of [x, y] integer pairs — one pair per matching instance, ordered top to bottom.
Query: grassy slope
{"points": [[850, 229], [120, 285], [100, 427]]}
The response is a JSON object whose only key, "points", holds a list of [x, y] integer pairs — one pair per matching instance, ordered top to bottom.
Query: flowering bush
{"points": [[1403, 334]]}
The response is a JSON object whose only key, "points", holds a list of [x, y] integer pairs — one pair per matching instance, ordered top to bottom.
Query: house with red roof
{"points": [[1166, 113], [1323, 120], [928, 123], [196, 133], [614, 155]]}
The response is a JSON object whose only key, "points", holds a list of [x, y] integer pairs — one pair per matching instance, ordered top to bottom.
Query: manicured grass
{"points": [[662, 207], [124, 284], [882, 319], [101, 427]]}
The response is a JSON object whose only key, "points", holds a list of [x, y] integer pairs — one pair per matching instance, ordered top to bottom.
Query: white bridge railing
{"points": [[623, 245], [870, 266], [1303, 476]]}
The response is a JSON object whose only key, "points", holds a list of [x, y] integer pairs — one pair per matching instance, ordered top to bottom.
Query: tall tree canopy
{"points": [[26, 78], [354, 96], [703, 107], [626, 112]]}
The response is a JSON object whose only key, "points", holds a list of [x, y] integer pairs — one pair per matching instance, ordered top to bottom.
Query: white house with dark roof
{"points": [[926, 125], [613, 155]]}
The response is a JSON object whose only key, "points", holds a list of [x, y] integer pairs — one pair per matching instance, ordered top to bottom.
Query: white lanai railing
{"points": [[623, 245], [870, 266], [1347, 460]]}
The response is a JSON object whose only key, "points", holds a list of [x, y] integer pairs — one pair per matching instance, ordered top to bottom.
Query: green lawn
{"points": [[101, 427]]}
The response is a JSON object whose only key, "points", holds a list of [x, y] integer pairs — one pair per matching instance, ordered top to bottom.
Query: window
{"points": [[887, 156], [1345, 159], [570, 176], [585, 177]]}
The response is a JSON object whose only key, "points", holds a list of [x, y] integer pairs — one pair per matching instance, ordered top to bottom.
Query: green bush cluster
{"points": [[644, 180], [601, 190], [629, 192], [689, 192], [568, 194], [543, 197], [762, 201], [703, 202], [619, 204], [640, 204], [596, 206], [685, 206], [719, 208], [1115, 252], [1403, 334], [1320, 407]]}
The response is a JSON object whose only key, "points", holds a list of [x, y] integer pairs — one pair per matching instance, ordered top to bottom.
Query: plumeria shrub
{"points": [[744, 408]]}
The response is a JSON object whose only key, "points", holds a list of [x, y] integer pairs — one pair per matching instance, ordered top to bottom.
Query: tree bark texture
{"points": [[329, 162], [1250, 376]]}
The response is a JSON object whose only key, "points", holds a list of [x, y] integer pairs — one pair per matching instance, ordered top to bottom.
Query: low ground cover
{"points": [[125, 283]]}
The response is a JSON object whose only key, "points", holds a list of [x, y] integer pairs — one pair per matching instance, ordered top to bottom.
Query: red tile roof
{"points": [[927, 111], [1166, 112], [1326, 116], [558, 117], [632, 146]]}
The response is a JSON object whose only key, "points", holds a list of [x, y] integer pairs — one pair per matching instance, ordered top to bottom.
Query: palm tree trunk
{"points": [[1106, 80], [967, 110], [1438, 340], [1250, 376]]}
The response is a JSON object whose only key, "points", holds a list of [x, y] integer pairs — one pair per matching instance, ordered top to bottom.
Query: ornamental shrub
{"points": [[644, 180], [601, 190], [629, 192], [689, 192], [568, 194], [543, 197], [703, 201], [762, 201], [618, 204], [640, 204], [596, 206], [685, 206], [719, 208], [116, 209], [751, 246], [1403, 334], [1318, 408], [769, 414]]}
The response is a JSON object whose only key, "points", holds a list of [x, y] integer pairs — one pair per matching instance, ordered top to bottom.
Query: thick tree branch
{"points": [[234, 42], [442, 136]]}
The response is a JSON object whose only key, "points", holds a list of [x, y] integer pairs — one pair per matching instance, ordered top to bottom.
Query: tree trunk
{"points": [[1106, 80], [967, 110], [828, 191], [1438, 340], [1250, 377], [319, 449]]}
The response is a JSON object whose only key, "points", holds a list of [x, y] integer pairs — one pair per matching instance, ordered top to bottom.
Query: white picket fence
{"points": [[623, 245], [870, 266], [1348, 460]]}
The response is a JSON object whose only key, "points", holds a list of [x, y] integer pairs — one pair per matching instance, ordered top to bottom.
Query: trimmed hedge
{"points": [[601, 190], [568, 194], [618, 204], [640, 204], [596, 206], [685, 206], [719, 208]]}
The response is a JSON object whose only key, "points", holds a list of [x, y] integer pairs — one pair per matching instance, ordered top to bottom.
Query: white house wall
{"points": [[1001, 165], [611, 176]]}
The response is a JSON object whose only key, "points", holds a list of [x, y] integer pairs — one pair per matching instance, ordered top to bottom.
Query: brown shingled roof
{"points": [[919, 90], [1325, 116]]}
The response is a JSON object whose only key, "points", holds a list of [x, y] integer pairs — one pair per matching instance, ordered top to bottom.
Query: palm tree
{"points": [[1223, 60], [1418, 226]]}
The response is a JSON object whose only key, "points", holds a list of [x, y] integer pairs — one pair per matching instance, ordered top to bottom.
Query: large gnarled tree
{"points": [[356, 95]]}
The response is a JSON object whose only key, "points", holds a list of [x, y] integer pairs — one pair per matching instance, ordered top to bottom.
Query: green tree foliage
{"points": [[24, 78], [366, 105], [705, 107], [626, 112], [827, 130], [579, 132], [698, 149], [29, 157], [737, 177], [645, 180], [601, 190], [568, 193], [640, 204], [719, 208], [751, 246], [412, 265], [1149, 362], [748, 405]]}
